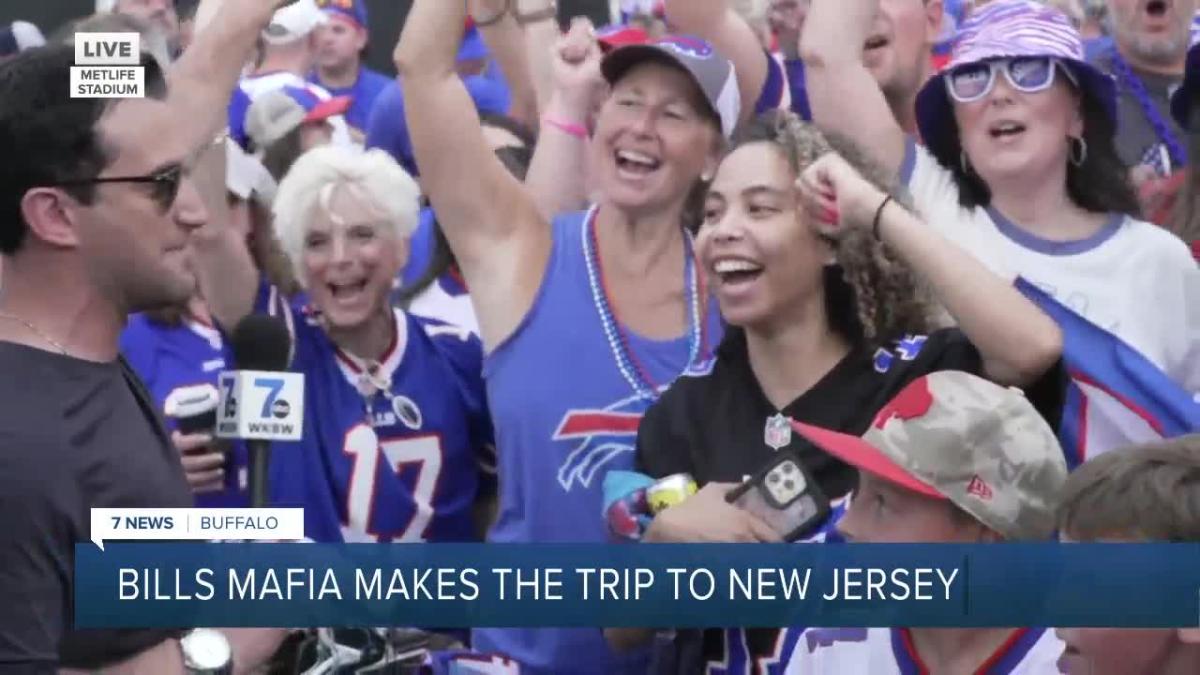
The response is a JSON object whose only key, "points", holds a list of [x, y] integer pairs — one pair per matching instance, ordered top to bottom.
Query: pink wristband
{"points": [[577, 130]]}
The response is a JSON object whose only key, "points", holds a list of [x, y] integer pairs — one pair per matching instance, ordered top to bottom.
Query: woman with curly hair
{"points": [[820, 274]]}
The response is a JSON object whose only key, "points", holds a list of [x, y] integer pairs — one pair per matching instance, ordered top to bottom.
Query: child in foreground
{"points": [[1146, 493]]}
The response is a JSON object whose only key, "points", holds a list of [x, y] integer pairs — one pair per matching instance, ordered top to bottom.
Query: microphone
{"points": [[260, 402]]}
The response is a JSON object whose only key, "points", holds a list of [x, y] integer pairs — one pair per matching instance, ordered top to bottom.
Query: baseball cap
{"points": [[355, 10], [294, 22], [618, 35], [18, 36], [709, 69], [274, 114], [245, 176], [959, 437]]}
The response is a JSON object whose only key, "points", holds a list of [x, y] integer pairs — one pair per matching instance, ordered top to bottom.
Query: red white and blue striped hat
{"points": [[1001, 29], [709, 69]]}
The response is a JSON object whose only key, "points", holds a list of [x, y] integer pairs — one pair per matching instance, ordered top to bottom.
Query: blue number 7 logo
{"points": [[273, 386], [230, 402]]}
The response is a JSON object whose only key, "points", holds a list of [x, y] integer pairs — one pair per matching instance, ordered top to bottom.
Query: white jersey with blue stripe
{"points": [[890, 651]]}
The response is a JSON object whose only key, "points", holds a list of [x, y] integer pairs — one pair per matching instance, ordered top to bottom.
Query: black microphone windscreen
{"points": [[261, 343]]}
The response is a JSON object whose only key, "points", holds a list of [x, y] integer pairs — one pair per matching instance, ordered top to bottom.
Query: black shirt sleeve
{"points": [[949, 349], [903, 360], [662, 447], [37, 503]]}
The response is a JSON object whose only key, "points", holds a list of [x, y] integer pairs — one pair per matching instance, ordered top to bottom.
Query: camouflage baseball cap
{"points": [[709, 69], [959, 437]]}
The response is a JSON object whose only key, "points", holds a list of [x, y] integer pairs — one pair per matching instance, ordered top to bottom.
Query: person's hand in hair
{"points": [[576, 58], [836, 196], [203, 464], [706, 517]]}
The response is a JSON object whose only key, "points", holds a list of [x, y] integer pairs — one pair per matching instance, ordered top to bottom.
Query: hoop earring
{"points": [[1078, 150]]}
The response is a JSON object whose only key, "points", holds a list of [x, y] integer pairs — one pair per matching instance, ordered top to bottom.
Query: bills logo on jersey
{"points": [[907, 349], [407, 411], [603, 435]]}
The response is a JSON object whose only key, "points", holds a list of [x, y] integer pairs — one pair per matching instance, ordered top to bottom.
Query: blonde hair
{"points": [[371, 176]]}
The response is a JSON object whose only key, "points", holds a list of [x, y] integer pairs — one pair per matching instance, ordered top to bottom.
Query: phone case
{"points": [[784, 496]]}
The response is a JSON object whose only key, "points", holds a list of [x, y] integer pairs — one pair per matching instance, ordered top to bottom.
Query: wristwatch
{"points": [[548, 12], [206, 652]]}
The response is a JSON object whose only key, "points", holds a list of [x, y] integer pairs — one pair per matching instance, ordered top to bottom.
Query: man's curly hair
{"points": [[870, 295]]}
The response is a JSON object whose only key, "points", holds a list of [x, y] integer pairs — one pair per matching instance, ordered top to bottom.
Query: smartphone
{"points": [[784, 495]]}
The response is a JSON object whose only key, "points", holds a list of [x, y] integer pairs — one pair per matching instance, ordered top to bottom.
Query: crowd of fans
{"points": [[943, 255]]}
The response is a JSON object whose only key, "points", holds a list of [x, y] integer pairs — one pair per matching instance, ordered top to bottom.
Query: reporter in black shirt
{"points": [[96, 208], [826, 323]]}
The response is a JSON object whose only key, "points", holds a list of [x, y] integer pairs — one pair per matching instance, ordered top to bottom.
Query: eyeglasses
{"points": [[1028, 74], [165, 184]]}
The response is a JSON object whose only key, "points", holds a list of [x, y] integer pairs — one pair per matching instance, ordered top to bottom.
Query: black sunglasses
{"points": [[165, 184]]}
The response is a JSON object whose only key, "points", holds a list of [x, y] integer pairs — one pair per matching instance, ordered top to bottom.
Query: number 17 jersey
{"points": [[405, 463]]}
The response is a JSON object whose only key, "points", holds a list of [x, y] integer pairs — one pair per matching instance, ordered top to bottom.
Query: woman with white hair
{"points": [[397, 417]]}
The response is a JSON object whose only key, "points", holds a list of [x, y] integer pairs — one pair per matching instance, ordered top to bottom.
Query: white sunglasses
{"points": [[1029, 74]]}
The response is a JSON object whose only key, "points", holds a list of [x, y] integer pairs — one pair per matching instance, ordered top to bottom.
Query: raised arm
{"points": [[717, 22], [540, 34], [505, 39], [200, 82], [842, 94], [558, 176], [501, 242], [224, 266], [1018, 342]]}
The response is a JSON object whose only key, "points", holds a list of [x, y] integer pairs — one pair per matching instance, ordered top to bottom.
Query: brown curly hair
{"points": [[870, 295]]}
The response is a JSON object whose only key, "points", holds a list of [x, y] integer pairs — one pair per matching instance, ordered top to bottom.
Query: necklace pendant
{"points": [[366, 386], [777, 433]]}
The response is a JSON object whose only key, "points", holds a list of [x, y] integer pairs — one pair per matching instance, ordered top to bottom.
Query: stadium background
{"points": [[385, 16]]}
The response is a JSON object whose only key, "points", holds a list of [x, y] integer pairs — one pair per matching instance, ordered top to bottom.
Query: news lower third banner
{"points": [[652, 585]]}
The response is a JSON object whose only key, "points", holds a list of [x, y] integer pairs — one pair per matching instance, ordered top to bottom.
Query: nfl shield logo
{"points": [[778, 432]]}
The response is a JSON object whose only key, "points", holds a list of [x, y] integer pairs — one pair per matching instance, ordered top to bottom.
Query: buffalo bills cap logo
{"points": [[687, 46]]}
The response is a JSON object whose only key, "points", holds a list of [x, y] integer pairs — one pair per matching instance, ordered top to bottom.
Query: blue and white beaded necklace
{"points": [[631, 369]]}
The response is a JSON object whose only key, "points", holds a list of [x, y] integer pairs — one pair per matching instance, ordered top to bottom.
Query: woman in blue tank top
{"points": [[585, 320]]}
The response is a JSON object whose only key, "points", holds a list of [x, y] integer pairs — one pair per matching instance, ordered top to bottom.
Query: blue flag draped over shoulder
{"points": [[1116, 396]]}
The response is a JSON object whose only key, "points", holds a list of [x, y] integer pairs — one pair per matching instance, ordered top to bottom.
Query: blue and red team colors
{"points": [[170, 357], [408, 465]]}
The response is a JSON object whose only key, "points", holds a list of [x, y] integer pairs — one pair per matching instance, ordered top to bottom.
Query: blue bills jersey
{"points": [[170, 357], [402, 460]]}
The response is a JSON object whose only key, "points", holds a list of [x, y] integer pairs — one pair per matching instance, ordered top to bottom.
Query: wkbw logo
{"points": [[108, 65], [261, 405]]}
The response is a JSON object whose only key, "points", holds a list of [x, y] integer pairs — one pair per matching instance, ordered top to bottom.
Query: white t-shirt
{"points": [[1132, 278], [887, 651]]}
